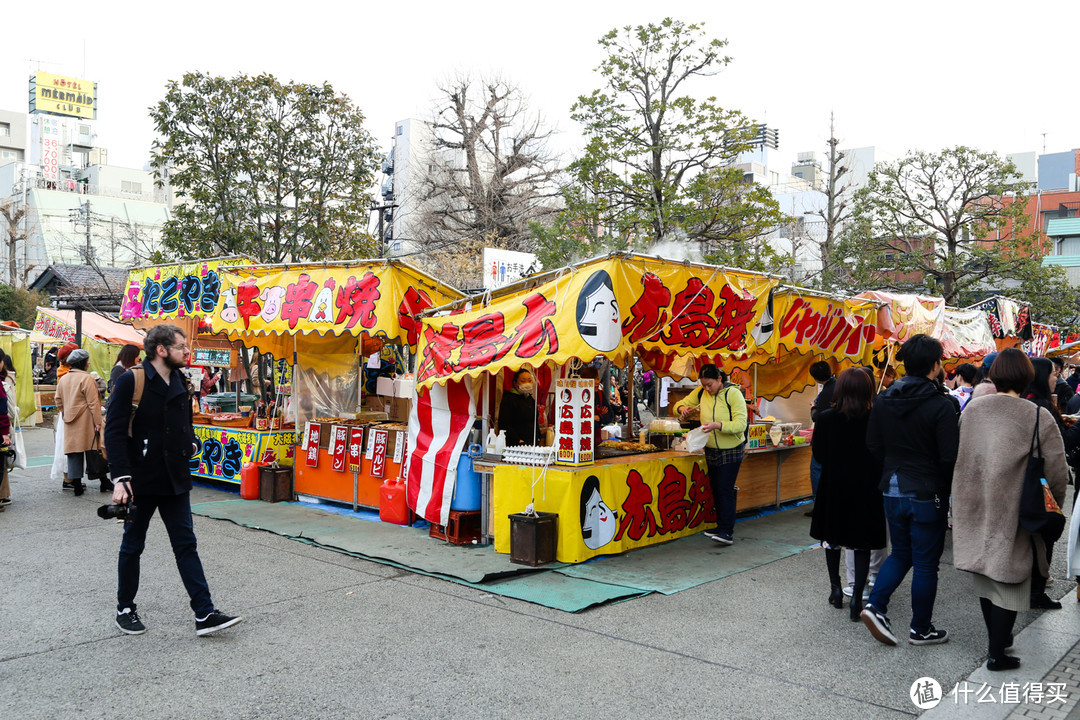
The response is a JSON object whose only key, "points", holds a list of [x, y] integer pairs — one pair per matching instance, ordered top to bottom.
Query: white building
{"points": [[78, 208]]}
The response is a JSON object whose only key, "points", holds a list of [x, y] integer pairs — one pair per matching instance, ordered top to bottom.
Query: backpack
{"points": [[139, 373]]}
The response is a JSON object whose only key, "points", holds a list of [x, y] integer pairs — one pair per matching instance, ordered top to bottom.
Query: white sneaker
{"points": [[850, 589]]}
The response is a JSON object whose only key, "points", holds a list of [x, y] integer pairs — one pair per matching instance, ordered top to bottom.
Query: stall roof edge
{"points": [[192, 261], [541, 278], [431, 279]]}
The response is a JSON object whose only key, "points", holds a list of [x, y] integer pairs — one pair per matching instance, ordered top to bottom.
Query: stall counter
{"points": [[223, 451], [623, 503]]}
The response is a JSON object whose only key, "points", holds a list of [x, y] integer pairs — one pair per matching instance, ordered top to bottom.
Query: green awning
{"points": [[1063, 227]]}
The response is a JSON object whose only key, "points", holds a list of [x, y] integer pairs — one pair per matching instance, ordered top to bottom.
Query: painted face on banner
{"points": [[598, 315], [764, 329], [598, 521]]}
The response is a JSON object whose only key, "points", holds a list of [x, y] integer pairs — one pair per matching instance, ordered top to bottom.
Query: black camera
{"points": [[7, 456], [108, 512]]}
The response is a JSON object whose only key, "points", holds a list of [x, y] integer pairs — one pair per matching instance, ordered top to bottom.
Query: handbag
{"points": [[97, 468], [1039, 512]]}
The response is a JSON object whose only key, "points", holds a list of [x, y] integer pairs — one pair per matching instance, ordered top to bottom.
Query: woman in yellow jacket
{"points": [[723, 416]]}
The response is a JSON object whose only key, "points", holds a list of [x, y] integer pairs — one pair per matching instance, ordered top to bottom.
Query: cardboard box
{"points": [[399, 409]]}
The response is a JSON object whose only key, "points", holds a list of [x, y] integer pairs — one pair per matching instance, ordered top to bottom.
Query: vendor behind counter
{"points": [[517, 412]]}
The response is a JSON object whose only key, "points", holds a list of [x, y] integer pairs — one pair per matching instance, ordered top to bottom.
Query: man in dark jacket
{"points": [[1062, 389], [913, 429], [149, 457]]}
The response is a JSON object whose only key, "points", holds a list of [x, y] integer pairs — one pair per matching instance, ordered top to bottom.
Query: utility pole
{"points": [[78, 215], [383, 247]]}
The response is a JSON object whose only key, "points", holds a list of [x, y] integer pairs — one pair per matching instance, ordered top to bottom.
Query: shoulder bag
{"points": [[1039, 512]]}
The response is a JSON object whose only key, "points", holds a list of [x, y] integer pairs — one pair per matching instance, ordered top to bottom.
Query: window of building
{"points": [[5, 129], [400, 129], [7, 156], [131, 187]]}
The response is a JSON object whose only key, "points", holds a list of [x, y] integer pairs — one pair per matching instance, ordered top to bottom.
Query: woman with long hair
{"points": [[127, 359], [848, 511]]}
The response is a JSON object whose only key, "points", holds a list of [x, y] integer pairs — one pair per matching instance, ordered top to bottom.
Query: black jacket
{"points": [[824, 399], [515, 412], [914, 431], [162, 441], [848, 510]]}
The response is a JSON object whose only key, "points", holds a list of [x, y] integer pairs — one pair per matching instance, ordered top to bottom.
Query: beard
{"points": [[174, 364]]}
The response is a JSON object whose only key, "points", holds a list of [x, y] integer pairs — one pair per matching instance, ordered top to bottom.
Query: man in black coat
{"points": [[914, 431], [149, 457]]}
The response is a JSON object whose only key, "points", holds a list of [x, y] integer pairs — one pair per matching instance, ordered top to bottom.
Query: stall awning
{"points": [[166, 292], [377, 298], [604, 307], [60, 325]]}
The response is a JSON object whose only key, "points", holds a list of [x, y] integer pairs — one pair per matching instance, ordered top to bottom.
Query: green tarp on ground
{"points": [[667, 568]]}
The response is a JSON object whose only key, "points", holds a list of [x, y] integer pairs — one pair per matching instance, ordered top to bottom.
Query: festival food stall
{"points": [[675, 317], [321, 322], [965, 335], [102, 336], [15, 342]]}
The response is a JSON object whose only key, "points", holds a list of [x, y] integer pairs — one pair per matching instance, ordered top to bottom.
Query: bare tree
{"points": [[490, 172], [836, 212], [15, 234]]}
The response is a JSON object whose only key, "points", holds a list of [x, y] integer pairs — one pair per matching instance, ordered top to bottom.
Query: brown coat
{"points": [[79, 404], [995, 437]]}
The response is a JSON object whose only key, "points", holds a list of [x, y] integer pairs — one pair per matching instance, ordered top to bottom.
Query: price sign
{"points": [[214, 357], [311, 443], [356, 445], [339, 447], [378, 460]]}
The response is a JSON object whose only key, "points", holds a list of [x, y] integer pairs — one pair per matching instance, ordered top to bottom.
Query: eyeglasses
{"points": [[181, 348]]}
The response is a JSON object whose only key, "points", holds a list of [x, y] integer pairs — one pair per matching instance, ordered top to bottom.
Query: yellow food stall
{"points": [[674, 317]]}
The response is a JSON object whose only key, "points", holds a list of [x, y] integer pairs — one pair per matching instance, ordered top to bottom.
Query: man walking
{"points": [[913, 429], [150, 439]]}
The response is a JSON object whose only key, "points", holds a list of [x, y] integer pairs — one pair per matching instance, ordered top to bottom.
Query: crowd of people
{"points": [[891, 462]]}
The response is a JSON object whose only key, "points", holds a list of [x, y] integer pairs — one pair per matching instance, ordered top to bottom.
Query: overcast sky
{"points": [[899, 76]]}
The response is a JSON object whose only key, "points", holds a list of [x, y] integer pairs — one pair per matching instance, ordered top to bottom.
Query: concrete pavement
{"points": [[331, 636]]}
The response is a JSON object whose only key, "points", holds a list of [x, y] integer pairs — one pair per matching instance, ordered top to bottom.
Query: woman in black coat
{"points": [[848, 510]]}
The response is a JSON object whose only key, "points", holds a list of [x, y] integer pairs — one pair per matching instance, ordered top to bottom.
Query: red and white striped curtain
{"points": [[441, 418]]}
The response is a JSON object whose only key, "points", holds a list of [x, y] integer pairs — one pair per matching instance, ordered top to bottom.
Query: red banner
{"points": [[311, 443], [356, 446], [339, 447], [378, 459]]}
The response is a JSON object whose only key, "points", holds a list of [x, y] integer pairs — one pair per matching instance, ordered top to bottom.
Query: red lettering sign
{"points": [[311, 445], [339, 448], [356, 448], [378, 459]]}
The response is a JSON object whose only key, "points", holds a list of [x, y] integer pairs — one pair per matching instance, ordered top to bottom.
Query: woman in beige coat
{"points": [[79, 404], [995, 440]]}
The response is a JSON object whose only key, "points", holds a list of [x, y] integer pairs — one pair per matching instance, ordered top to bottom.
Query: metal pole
{"points": [[89, 249]]}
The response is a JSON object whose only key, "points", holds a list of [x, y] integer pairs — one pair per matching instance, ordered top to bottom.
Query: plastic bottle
{"points": [[500, 443], [489, 444]]}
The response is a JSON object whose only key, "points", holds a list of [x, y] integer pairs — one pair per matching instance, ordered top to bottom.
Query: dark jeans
{"points": [[722, 476], [815, 476], [175, 512], [917, 531]]}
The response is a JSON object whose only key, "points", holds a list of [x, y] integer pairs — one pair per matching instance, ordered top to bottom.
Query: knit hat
{"points": [[988, 361]]}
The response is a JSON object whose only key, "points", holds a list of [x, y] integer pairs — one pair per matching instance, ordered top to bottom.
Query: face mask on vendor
{"points": [[525, 385]]}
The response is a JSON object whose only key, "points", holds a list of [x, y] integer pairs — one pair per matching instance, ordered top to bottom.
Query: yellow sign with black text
{"points": [[62, 95]]}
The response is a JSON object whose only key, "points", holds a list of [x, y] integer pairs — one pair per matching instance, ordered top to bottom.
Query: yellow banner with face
{"points": [[380, 299], [607, 307], [609, 509]]}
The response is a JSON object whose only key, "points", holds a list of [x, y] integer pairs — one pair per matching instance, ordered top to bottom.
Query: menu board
{"points": [[574, 400]]}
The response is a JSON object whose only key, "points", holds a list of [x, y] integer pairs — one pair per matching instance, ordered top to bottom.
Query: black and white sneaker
{"points": [[717, 537], [213, 622], [129, 623], [878, 625], [933, 636]]}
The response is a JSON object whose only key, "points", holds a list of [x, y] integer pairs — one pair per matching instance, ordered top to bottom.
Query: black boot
{"points": [[106, 485], [79, 487], [832, 563], [862, 572]]}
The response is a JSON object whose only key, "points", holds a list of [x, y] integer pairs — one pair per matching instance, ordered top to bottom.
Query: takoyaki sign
{"points": [[606, 307]]}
